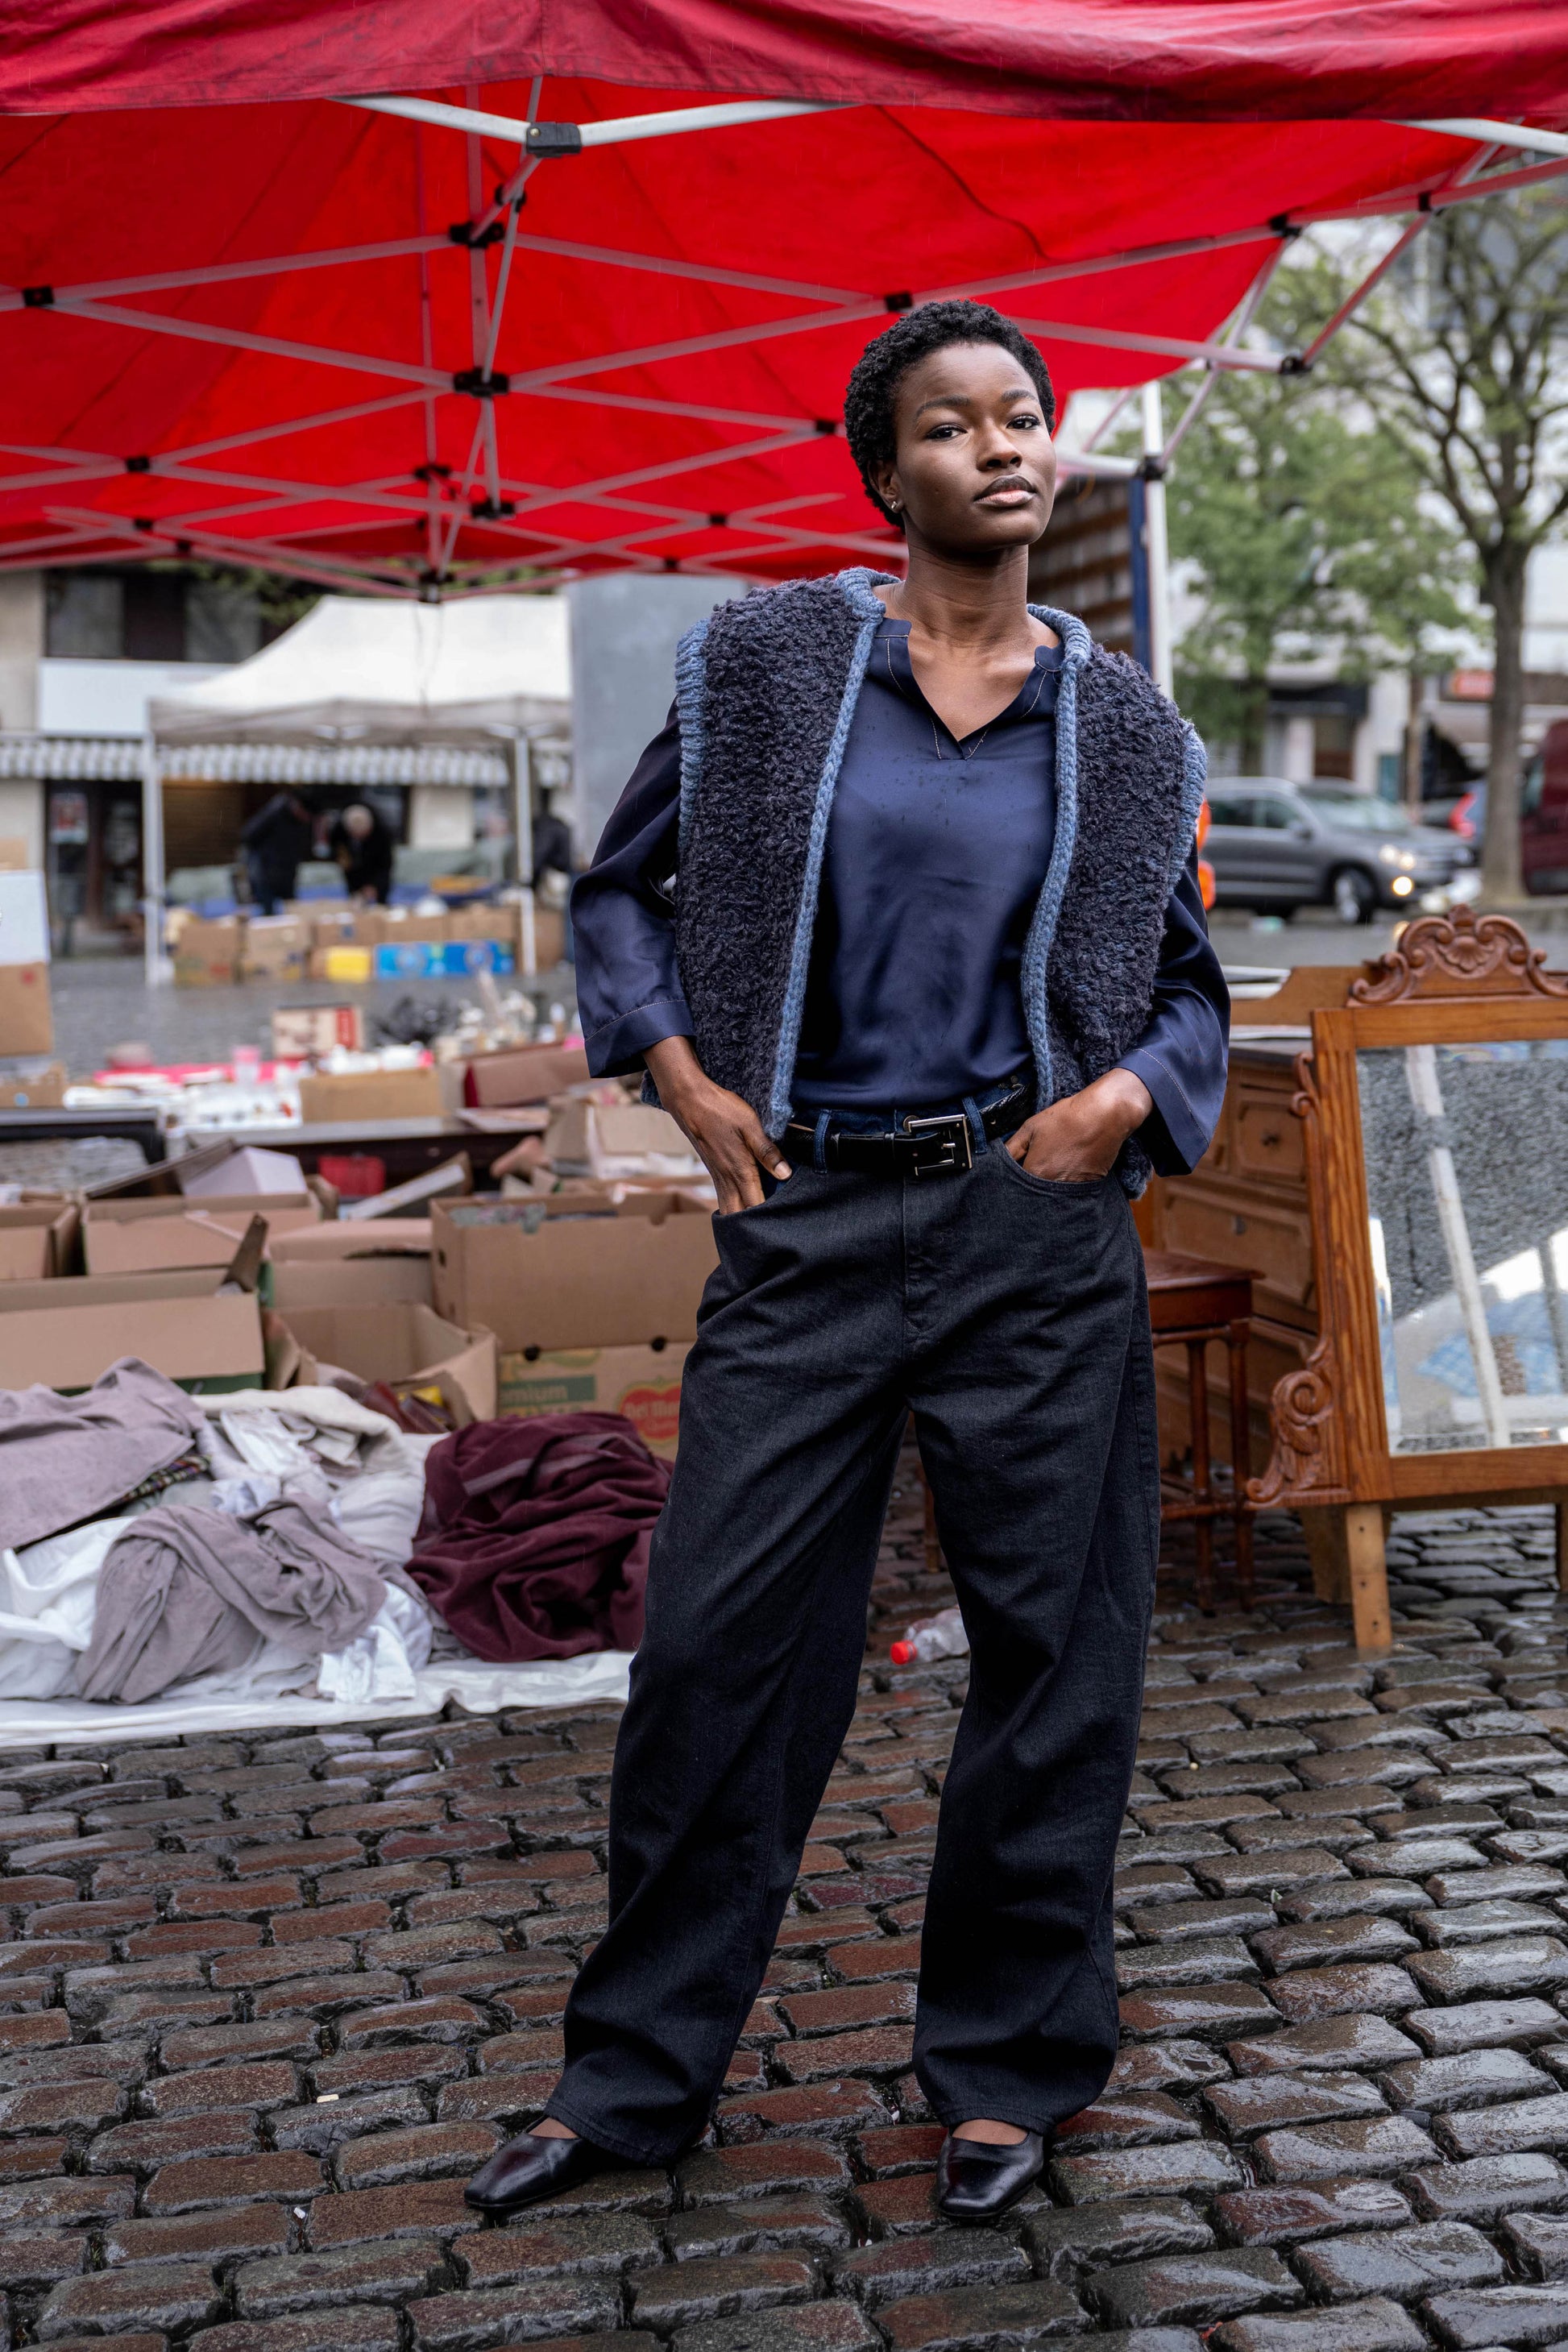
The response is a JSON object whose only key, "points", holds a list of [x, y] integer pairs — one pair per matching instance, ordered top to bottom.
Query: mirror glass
{"points": [[1465, 1149]]}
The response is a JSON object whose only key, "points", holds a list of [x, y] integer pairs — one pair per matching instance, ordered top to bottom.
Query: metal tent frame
{"points": [[644, 503]]}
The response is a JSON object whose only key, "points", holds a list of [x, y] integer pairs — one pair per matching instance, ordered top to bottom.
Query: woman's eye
{"points": [[1026, 418]]}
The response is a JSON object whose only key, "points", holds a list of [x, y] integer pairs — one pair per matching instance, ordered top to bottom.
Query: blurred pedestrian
{"points": [[274, 841], [361, 842]]}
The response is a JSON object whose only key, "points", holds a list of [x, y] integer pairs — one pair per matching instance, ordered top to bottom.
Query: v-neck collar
{"points": [[1035, 698]]}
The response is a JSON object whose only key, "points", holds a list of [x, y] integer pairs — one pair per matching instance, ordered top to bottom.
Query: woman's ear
{"points": [[886, 478]]}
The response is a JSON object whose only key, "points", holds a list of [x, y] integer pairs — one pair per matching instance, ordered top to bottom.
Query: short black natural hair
{"points": [[872, 389]]}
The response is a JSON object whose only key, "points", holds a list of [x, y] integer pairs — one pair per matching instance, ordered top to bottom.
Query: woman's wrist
{"points": [[1130, 1097]]}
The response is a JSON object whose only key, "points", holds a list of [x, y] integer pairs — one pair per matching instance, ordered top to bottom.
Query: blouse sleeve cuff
{"points": [[617, 1048], [1173, 1136]]}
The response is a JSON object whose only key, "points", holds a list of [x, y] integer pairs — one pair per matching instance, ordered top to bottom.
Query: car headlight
{"points": [[1391, 855], [1402, 886]]}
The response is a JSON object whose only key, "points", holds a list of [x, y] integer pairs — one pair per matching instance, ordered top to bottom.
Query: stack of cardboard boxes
{"points": [[352, 945], [576, 1291]]}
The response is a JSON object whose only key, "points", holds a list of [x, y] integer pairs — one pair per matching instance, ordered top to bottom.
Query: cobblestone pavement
{"points": [[265, 2002]]}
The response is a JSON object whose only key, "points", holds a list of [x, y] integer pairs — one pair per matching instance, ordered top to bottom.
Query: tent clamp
{"points": [[555, 139], [1283, 226], [465, 233], [38, 298], [900, 302], [1295, 363], [483, 387], [825, 425], [138, 465], [1151, 468], [434, 472], [493, 509]]}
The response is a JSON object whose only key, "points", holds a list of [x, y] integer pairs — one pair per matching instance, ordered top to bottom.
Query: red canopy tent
{"points": [[569, 318]]}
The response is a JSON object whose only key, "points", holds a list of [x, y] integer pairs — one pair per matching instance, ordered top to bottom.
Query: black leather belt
{"points": [[939, 1146]]}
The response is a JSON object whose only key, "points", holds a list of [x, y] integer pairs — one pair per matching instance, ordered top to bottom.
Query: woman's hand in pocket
{"points": [[724, 1131], [1075, 1141]]}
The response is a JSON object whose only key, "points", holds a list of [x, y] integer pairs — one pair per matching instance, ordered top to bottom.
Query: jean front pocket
{"points": [[1086, 1188]]}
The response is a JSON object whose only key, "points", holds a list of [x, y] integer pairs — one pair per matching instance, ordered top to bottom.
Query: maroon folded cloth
{"points": [[534, 1538]]}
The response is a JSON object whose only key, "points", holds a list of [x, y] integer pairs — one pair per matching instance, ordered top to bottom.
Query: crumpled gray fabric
{"points": [[64, 1459], [188, 1592]]}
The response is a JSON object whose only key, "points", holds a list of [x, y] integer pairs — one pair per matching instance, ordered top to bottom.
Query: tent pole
{"points": [[1155, 546], [523, 842], [157, 966]]}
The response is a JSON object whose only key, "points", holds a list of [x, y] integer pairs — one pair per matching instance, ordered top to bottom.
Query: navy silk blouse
{"points": [[937, 849]]}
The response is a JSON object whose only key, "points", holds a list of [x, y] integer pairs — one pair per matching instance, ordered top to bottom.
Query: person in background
{"points": [[361, 842], [273, 844], [551, 845]]}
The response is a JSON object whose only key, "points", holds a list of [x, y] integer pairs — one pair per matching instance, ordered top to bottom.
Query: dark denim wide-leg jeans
{"points": [[1009, 1313]]}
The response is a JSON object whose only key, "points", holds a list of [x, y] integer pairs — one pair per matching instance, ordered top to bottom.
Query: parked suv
{"points": [[1275, 846]]}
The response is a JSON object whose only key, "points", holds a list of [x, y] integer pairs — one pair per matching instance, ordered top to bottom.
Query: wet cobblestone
{"points": [[266, 2002]]}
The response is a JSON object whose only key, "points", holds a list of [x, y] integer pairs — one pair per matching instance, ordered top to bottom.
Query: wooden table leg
{"points": [[1240, 1460], [1202, 1480], [1366, 1560]]}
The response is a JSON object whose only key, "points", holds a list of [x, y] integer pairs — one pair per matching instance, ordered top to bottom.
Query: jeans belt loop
{"points": [[976, 1124], [819, 1140]]}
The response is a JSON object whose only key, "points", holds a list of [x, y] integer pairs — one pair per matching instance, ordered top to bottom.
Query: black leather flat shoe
{"points": [[529, 2168], [976, 2180]]}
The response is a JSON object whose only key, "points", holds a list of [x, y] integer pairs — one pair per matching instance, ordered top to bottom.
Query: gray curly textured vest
{"points": [[766, 688]]}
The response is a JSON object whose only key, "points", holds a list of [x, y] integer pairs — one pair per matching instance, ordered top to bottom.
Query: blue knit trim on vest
{"points": [[857, 593], [1076, 648], [689, 709], [1195, 785]]}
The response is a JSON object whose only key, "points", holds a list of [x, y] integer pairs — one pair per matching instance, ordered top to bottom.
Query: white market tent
{"points": [[367, 690]]}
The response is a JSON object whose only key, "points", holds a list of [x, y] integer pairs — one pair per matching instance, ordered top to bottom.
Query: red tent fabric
{"points": [[1194, 60], [243, 331]]}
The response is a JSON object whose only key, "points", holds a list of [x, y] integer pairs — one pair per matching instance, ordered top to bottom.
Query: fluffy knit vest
{"points": [[767, 689]]}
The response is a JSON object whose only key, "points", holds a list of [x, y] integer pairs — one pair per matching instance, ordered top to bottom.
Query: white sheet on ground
{"points": [[49, 1597], [478, 1689]]}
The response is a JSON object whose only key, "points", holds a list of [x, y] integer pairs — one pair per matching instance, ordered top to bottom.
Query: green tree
{"points": [[1459, 362], [1305, 533]]}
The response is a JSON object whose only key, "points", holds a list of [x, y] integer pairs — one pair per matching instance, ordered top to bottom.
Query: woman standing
{"points": [[933, 993]]}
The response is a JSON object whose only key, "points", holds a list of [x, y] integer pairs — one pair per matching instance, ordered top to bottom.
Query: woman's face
{"points": [[975, 469]]}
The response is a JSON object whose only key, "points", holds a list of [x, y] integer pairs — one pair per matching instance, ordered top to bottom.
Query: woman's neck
{"points": [[968, 606]]}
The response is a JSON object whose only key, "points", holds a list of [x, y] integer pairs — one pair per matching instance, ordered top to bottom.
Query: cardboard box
{"points": [[24, 918], [501, 924], [395, 927], [549, 938], [274, 947], [207, 951], [432, 959], [345, 967], [27, 1016], [303, 1033], [523, 1074], [41, 1089], [358, 1096], [619, 1142], [245, 1170], [143, 1236], [37, 1239], [354, 1264], [572, 1271], [65, 1333], [408, 1346], [642, 1384]]}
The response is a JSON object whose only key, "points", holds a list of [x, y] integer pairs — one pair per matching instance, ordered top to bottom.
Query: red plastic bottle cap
{"points": [[901, 1652]]}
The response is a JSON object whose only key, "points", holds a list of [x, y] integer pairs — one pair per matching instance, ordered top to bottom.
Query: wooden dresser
{"points": [[1244, 1204]]}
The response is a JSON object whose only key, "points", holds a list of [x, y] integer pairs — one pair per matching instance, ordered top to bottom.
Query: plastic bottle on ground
{"points": [[942, 1636]]}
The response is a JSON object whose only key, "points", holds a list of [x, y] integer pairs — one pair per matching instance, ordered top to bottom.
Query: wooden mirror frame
{"points": [[1452, 979]]}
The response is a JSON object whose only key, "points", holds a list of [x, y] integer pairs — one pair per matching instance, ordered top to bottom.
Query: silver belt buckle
{"points": [[949, 1131]]}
